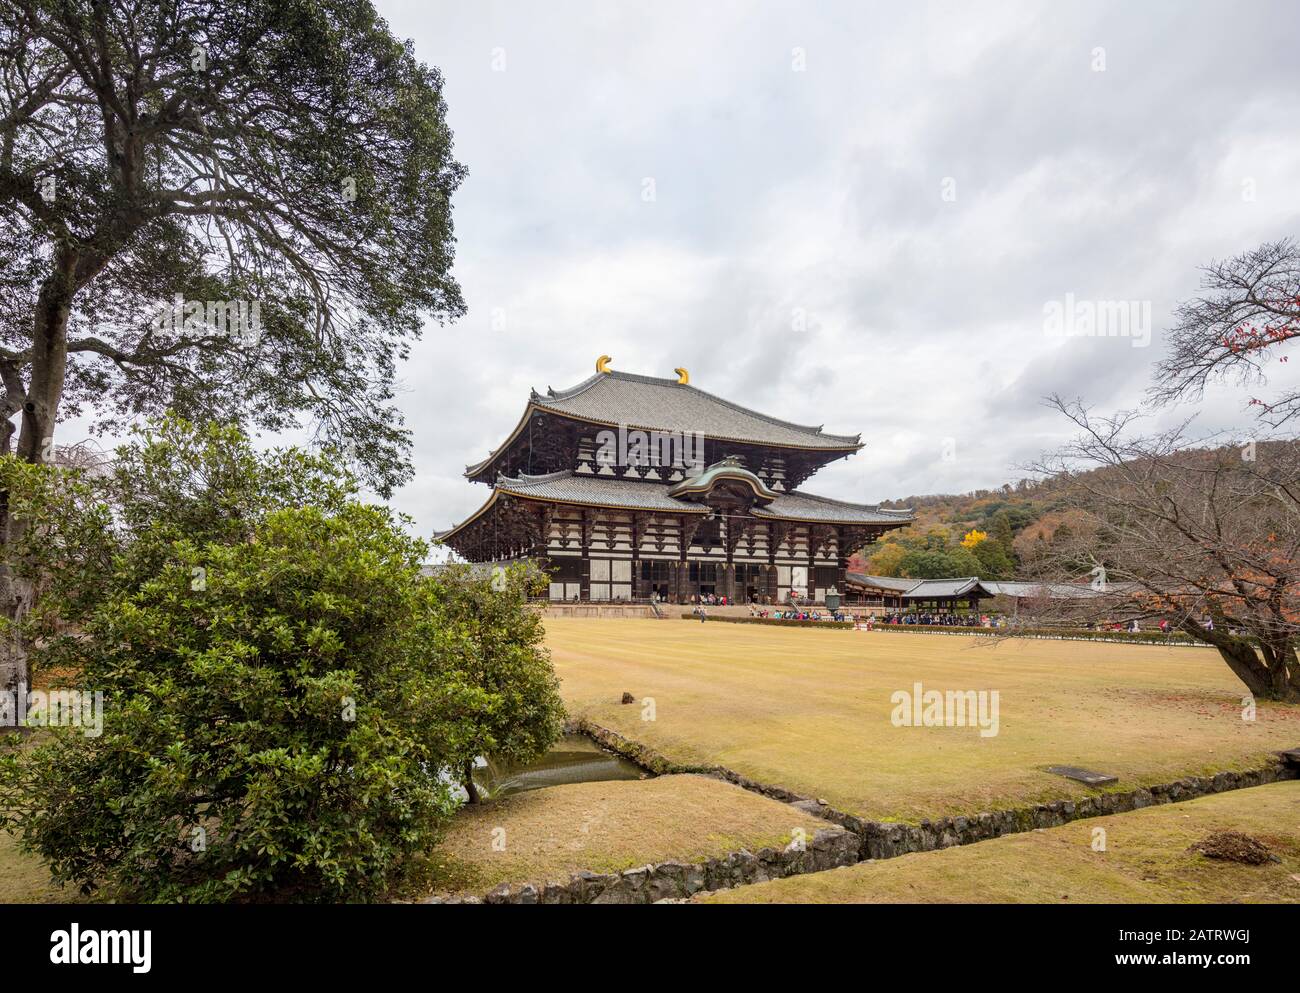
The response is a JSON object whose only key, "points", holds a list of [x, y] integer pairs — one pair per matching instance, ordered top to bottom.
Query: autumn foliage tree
{"points": [[1237, 330], [1203, 532], [1205, 535]]}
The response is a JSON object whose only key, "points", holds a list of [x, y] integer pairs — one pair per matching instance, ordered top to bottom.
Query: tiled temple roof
{"points": [[652, 404], [667, 405], [597, 491], [800, 506], [895, 583], [925, 589]]}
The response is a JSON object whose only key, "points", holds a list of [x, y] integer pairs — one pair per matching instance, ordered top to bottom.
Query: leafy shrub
{"points": [[492, 641], [285, 690]]}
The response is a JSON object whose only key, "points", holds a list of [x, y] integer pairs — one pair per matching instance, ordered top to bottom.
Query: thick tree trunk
{"points": [[49, 360], [40, 410], [15, 598], [1243, 660], [1284, 669], [1270, 675], [1286, 685], [470, 788]]}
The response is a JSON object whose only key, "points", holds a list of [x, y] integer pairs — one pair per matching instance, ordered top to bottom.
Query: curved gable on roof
{"points": [[727, 469]]}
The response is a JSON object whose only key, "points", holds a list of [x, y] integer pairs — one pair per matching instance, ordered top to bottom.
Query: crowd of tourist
{"points": [[710, 600], [807, 612], [799, 614], [945, 620], [1164, 626], [1132, 627]]}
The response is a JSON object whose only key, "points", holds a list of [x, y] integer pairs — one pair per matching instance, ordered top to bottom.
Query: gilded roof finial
{"points": [[602, 363], [683, 377]]}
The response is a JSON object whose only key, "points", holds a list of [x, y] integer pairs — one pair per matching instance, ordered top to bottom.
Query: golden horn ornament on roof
{"points": [[602, 363], [683, 377]]}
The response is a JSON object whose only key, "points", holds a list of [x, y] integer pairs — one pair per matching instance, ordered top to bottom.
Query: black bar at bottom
{"points": [[208, 944]]}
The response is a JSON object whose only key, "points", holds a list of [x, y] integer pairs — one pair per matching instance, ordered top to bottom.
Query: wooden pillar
{"points": [[690, 524], [776, 532], [813, 541], [847, 541], [541, 550], [841, 563], [680, 565], [584, 575], [728, 584], [639, 589]]}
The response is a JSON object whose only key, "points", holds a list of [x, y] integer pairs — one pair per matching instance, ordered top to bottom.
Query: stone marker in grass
{"points": [[1083, 775]]}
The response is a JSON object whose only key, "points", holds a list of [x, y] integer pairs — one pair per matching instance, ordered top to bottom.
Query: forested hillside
{"points": [[994, 534]]}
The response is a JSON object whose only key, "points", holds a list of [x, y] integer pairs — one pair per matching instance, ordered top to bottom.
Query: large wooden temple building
{"points": [[627, 487]]}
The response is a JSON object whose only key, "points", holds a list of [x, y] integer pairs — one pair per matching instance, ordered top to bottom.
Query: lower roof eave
{"points": [[682, 508]]}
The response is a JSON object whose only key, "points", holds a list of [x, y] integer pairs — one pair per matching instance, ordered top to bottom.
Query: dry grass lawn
{"points": [[810, 710], [607, 827], [1146, 861], [23, 879]]}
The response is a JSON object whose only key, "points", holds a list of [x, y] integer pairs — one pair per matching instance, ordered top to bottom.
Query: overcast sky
{"points": [[859, 213]]}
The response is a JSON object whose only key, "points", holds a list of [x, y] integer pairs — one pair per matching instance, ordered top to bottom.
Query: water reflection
{"points": [[575, 758]]}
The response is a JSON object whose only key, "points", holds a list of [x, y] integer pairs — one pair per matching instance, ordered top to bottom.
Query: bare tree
{"points": [[1236, 330], [1204, 534]]}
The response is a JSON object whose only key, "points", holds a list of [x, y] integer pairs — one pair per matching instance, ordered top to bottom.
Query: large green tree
{"points": [[238, 211], [941, 563]]}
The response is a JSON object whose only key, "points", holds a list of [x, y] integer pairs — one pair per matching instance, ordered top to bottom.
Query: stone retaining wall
{"points": [[598, 610], [853, 838], [881, 839], [828, 849]]}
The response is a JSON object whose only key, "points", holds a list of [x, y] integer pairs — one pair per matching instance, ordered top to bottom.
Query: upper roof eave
{"points": [[599, 377], [828, 443]]}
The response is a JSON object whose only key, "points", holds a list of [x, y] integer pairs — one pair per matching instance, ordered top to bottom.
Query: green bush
{"points": [[492, 641], [286, 693]]}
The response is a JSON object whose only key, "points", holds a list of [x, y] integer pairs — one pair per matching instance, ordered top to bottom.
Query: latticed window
{"points": [[655, 572], [704, 572]]}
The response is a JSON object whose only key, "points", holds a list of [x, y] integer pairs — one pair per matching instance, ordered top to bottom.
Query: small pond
{"points": [[575, 758]]}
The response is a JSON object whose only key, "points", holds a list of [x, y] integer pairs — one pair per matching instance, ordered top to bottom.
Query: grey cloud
{"points": [[819, 191]]}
